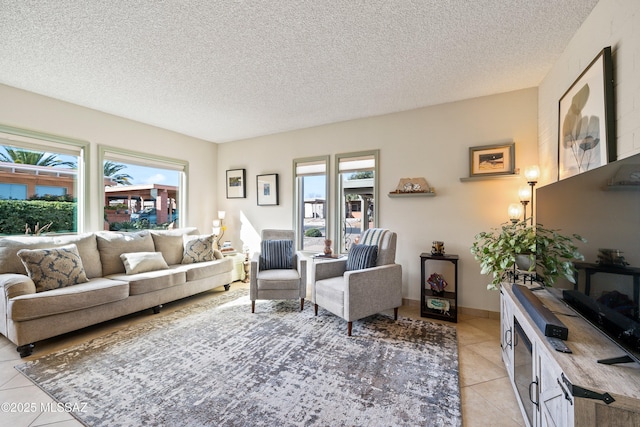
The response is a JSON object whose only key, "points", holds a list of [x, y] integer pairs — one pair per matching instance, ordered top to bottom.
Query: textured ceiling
{"points": [[223, 70]]}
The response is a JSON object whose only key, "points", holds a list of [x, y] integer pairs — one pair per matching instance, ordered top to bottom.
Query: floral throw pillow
{"points": [[198, 249], [53, 268]]}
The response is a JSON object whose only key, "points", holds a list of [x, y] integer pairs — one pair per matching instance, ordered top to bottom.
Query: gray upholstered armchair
{"points": [[278, 271], [358, 293]]}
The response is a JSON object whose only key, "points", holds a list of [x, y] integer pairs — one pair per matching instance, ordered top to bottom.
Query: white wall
{"points": [[614, 23], [39, 113], [432, 143]]}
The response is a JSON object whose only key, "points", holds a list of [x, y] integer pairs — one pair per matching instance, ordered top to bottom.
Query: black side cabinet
{"points": [[439, 305]]}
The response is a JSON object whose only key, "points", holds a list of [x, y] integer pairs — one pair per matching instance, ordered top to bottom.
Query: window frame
{"points": [[40, 141], [106, 152], [298, 204], [339, 209]]}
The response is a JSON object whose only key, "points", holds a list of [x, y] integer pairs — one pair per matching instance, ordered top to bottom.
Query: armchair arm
{"points": [[327, 269], [302, 270], [253, 278], [372, 290]]}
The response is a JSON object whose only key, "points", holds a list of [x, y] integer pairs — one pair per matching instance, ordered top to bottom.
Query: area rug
{"points": [[216, 364]]}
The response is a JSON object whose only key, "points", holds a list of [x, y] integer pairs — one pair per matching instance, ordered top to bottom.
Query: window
{"points": [[42, 181], [356, 181], [311, 189], [48, 190], [13, 191], [142, 191]]}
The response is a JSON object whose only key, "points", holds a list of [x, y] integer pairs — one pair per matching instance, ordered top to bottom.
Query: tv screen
{"points": [[603, 206]]}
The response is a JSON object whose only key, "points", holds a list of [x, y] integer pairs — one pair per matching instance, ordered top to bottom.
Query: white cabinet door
{"points": [[506, 333], [556, 403]]}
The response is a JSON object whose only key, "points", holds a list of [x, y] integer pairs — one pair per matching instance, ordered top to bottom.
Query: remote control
{"points": [[558, 345]]}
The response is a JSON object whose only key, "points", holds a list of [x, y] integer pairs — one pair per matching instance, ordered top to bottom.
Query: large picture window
{"points": [[356, 181], [42, 182], [311, 189], [142, 191]]}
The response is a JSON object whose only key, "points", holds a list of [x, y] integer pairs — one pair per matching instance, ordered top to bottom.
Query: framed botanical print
{"points": [[586, 119], [236, 184], [267, 189]]}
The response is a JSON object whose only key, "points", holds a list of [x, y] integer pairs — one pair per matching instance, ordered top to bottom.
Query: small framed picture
{"points": [[498, 159], [235, 184], [267, 189]]}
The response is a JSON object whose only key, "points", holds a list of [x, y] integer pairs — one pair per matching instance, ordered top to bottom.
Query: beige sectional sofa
{"points": [[110, 274]]}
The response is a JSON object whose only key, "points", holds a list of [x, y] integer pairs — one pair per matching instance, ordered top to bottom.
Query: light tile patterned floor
{"points": [[487, 396]]}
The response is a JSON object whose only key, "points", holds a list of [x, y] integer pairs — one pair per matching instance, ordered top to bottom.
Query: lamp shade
{"points": [[532, 173], [524, 192], [515, 211], [221, 214]]}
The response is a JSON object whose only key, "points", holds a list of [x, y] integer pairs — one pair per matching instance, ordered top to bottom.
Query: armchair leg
{"points": [[301, 304], [253, 306], [315, 308], [395, 313], [349, 325]]}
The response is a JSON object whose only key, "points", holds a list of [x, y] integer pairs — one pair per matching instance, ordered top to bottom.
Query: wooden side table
{"points": [[439, 305]]}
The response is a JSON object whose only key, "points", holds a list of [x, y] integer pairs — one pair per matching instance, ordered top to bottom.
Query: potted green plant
{"points": [[549, 253]]}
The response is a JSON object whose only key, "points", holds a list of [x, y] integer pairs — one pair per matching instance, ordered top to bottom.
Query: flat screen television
{"points": [[603, 206]]}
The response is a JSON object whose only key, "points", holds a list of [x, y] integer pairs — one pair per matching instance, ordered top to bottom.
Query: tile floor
{"points": [[487, 396]]}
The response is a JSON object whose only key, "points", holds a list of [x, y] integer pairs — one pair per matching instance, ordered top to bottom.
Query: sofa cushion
{"points": [[86, 243], [170, 243], [111, 245], [9, 247], [198, 248], [88, 250], [276, 254], [362, 256], [141, 262], [53, 268], [202, 270], [151, 280], [63, 300]]}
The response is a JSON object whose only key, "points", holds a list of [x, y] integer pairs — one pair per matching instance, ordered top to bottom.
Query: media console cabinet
{"points": [[566, 389]]}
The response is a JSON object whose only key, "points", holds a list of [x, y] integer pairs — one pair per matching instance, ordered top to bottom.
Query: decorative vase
{"points": [[327, 247]]}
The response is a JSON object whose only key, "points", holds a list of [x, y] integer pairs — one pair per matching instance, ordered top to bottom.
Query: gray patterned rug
{"points": [[214, 363]]}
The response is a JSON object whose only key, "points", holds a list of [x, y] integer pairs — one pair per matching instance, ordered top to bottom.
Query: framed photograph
{"points": [[586, 119], [489, 160], [236, 184], [267, 189]]}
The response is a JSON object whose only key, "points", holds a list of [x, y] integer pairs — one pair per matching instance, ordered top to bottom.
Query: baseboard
{"points": [[475, 312]]}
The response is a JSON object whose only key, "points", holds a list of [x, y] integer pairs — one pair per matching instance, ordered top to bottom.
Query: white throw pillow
{"points": [[141, 262]]}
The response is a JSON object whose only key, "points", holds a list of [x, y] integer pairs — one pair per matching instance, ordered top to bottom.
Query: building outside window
{"points": [[141, 191]]}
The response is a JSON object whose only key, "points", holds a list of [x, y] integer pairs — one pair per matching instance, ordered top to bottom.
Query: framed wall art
{"points": [[586, 119], [497, 159], [236, 184], [267, 189]]}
